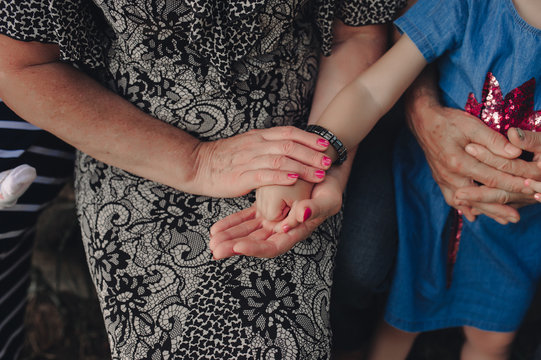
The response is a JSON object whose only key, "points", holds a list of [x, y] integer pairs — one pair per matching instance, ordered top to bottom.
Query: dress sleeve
{"points": [[369, 12], [352, 13], [71, 24], [435, 26]]}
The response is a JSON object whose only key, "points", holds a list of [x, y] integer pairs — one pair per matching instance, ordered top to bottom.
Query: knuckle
{"points": [[287, 131], [495, 139], [288, 146], [278, 161], [454, 163], [505, 166], [307, 172], [276, 177], [259, 178], [490, 182], [515, 188], [503, 197]]}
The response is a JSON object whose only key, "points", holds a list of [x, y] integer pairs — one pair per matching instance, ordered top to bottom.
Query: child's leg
{"points": [[13, 183], [391, 343], [486, 345]]}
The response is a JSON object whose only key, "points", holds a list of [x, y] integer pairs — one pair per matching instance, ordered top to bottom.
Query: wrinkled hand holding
{"points": [[444, 134], [527, 141], [278, 156], [248, 234]]}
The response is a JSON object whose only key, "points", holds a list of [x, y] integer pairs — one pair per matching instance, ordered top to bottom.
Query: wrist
{"points": [[339, 151]]}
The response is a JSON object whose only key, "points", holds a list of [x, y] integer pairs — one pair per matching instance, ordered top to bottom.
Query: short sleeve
{"points": [[369, 12], [352, 13], [71, 24], [435, 26]]}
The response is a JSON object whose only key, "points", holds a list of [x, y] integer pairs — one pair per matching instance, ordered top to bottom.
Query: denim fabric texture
{"points": [[498, 267]]}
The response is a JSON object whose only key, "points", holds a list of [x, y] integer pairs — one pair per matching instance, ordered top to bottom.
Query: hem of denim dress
{"points": [[439, 324]]}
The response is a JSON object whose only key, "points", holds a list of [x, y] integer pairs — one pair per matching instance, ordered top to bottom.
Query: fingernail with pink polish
{"points": [[323, 142], [326, 161], [320, 174], [292, 176], [527, 182], [537, 197], [459, 212], [307, 214], [286, 228]]}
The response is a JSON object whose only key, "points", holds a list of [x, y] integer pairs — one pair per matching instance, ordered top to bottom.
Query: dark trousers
{"points": [[368, 242]]}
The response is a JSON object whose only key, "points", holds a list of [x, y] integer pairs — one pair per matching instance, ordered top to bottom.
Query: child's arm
{"points": [[356, 109]]}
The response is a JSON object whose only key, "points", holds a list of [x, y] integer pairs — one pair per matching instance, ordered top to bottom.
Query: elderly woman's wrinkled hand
{"points": [[444, 135], [277, 156], [530, 170], [245, 233]]}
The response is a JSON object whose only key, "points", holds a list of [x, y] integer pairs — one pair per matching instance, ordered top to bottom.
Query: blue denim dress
{"points": [[497, 267]]}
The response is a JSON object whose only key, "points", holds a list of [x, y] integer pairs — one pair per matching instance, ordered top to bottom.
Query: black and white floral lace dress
{"points": [[215, 69]]}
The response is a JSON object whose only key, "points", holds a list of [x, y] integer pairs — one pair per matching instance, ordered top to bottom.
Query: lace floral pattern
{"points": [[213, 69]]}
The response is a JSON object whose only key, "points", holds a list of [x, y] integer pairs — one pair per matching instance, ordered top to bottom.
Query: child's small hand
{"points": [[274, 202]]}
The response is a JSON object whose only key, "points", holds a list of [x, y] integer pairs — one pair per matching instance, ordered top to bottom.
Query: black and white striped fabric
{"points": [[23, 143]]}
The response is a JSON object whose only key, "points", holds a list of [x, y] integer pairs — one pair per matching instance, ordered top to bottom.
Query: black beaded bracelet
{"points": [[333, 140]]}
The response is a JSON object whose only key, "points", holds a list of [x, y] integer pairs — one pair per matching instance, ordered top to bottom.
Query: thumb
{"points": [[526, 140], [300, 212]]}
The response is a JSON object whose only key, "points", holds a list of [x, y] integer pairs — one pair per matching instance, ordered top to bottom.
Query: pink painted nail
{"points": [[323, 142], [326, 161], [320, 174], [292, 176], [527, 182], [537, 197], [459, 212], [307, 214], [286, 228]]}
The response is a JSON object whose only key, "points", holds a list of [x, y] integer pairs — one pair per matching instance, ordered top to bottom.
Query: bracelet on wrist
{"points": [[332, 139]]}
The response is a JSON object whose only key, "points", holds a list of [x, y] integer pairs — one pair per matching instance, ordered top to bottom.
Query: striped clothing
{"points": [[23, 143]]}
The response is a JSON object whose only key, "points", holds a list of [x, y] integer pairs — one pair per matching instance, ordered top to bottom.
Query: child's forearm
{"points": [[356, 109]]}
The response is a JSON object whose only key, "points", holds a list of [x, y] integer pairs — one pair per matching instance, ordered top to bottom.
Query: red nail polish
{"points": [[323, 142], [326, 161], [320, 174], [292, 176], [307, 214], [286, 228]]}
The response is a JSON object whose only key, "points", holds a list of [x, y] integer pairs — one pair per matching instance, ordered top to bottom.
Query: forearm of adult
{"points": [[58, 98], [62, 100]]}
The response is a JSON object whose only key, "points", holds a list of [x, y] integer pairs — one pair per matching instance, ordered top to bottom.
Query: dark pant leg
{"points": [[53, 161], [367, 245]]}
